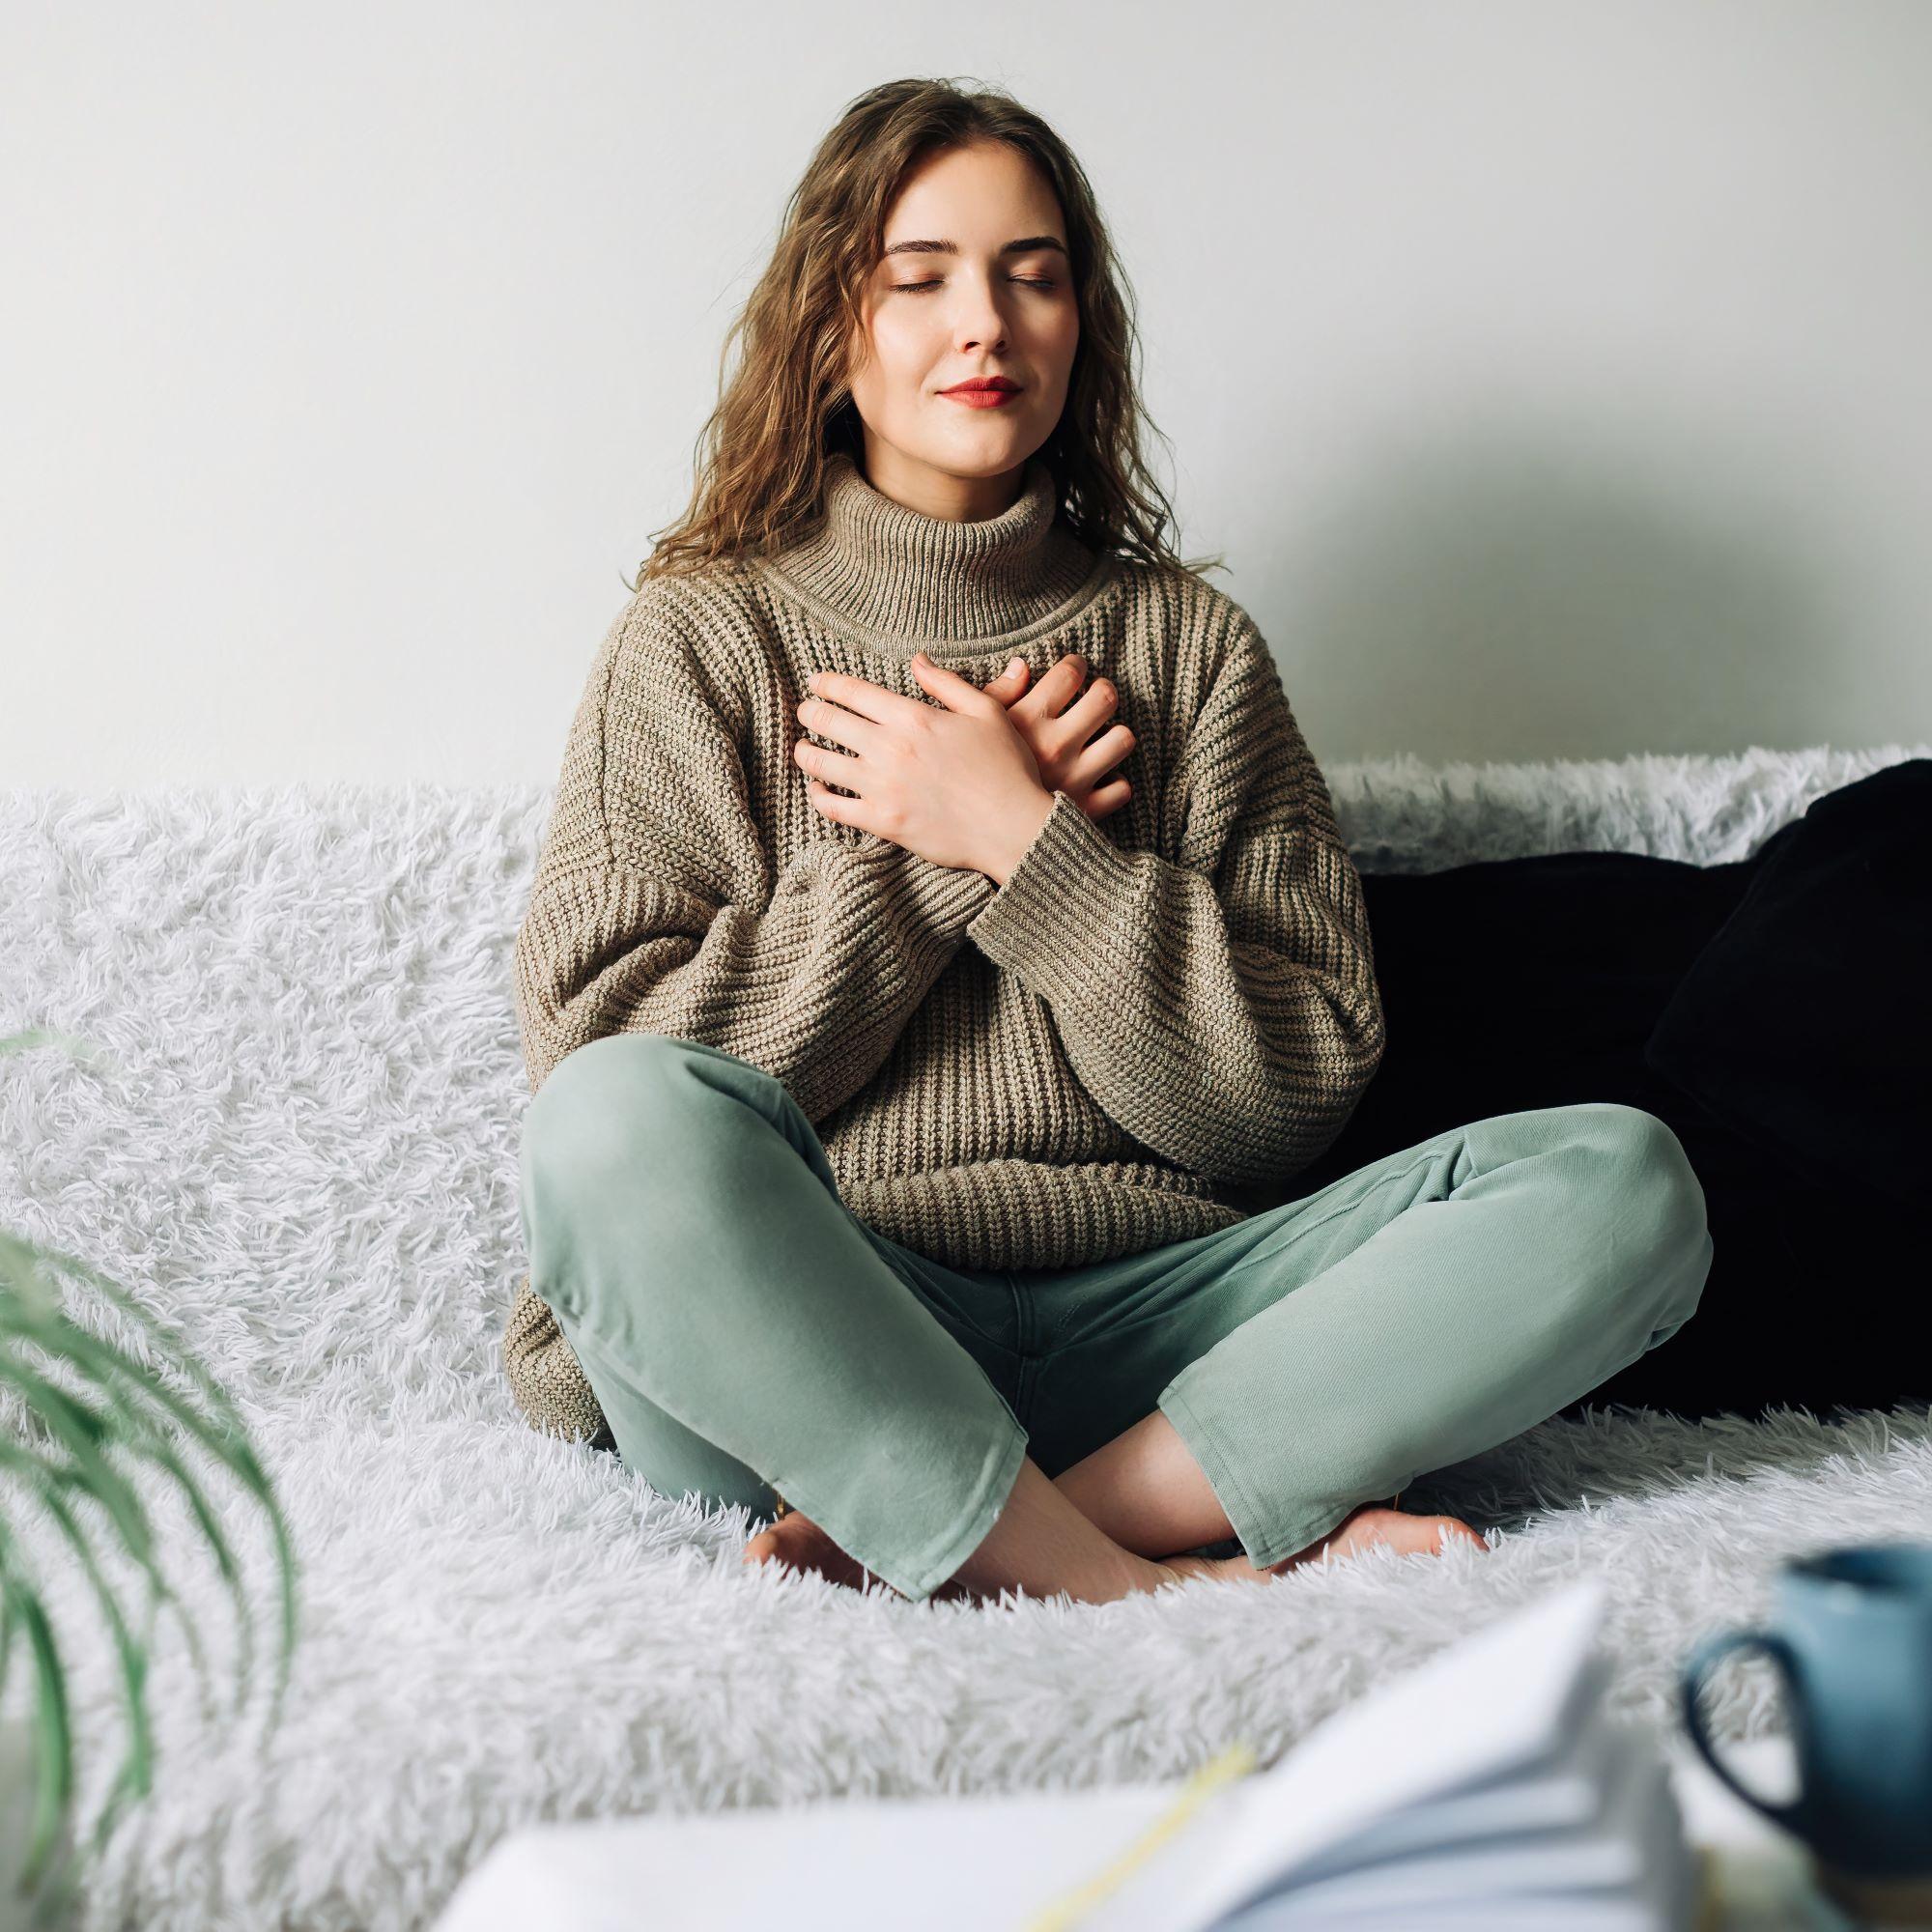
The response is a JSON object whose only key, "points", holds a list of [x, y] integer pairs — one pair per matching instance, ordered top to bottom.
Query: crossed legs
{"points": [[1318, 1356]]}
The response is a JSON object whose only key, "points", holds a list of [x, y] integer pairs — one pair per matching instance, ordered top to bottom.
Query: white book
{"points": [[1485, 1789]]}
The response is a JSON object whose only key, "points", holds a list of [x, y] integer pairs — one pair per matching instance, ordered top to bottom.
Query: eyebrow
{"points": [[1025, 245]]}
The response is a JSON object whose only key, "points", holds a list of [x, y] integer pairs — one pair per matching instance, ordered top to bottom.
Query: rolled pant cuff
{"points": [[1267, 1537], [925, 1574]]}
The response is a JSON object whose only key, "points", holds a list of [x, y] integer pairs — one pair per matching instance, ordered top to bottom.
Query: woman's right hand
{"points": [[1057, 719]]}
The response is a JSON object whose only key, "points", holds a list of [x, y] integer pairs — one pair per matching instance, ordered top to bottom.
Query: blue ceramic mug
{"points": [[1852, 1638]]}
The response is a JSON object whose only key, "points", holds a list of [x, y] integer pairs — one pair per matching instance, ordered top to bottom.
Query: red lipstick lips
{"points": [[983, 392]]}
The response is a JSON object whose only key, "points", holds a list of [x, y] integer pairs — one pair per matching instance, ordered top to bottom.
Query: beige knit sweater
{"points": [[1155, 1009]]}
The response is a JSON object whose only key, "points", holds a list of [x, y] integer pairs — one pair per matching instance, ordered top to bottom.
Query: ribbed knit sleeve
{"points": [[657, 906], [1220, 1006]]}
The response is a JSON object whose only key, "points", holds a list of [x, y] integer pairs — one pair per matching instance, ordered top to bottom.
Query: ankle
{"points": [[1042, 1544]]}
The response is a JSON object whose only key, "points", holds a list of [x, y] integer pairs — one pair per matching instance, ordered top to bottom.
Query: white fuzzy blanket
{"points": [[307, 1159]]}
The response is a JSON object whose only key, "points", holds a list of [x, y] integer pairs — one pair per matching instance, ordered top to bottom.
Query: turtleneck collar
{"points": [[902, 581]]}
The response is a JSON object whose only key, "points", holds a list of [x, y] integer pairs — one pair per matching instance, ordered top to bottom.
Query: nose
{"points": [[986, 329]]}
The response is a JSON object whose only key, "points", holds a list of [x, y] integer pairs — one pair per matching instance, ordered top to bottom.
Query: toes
{"points": [[797, 1544]]}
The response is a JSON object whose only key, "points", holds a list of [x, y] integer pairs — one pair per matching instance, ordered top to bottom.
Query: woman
{"points": [[944, 1242]]}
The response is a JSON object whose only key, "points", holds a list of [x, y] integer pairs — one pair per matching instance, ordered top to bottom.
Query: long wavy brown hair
{"points": [[788, 407]]}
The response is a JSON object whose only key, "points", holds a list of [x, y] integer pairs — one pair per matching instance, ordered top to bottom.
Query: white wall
{"points": [[1553, 375]]}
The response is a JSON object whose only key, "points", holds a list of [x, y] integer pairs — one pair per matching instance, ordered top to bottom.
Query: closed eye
{"points": [[1025, 281]]}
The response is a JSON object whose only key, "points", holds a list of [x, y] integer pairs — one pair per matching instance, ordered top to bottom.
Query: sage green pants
{"points": [[745, 1331]]}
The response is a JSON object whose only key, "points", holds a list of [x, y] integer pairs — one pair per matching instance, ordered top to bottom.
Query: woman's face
{"points": [[952, 298]]}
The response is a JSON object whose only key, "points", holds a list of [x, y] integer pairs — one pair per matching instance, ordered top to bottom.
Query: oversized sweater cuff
{"points": [[938, 898], [1046, 922]]}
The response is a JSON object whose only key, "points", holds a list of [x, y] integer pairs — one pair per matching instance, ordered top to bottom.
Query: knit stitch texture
{"points": [[1155, 1009]]}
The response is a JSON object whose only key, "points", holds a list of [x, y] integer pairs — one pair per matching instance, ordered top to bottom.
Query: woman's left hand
{"points": [[1058, 719], [955, 783]]}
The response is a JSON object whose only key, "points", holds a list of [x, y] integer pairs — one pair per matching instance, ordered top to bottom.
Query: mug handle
{"points": [[1697, 1666]]}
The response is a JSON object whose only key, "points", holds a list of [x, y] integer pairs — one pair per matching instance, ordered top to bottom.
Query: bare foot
{"points": [[1359, 1530], [794, 1542]]}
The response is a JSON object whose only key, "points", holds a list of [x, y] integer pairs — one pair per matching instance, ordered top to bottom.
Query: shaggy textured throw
{"points": [[304, 1154]]}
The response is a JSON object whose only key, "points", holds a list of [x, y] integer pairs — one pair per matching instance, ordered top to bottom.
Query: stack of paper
{"points": [[1486, 1790]]}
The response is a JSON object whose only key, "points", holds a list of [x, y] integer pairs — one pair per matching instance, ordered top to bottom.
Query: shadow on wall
{"points": [[1494, 597]]}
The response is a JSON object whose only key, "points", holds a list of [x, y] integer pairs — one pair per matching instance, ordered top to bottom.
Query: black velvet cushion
{"points": [[1521, 982], [1538, 982], [1802, 1025]]}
